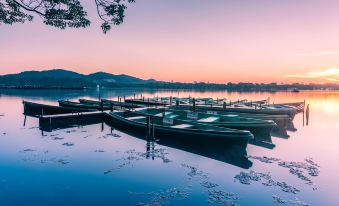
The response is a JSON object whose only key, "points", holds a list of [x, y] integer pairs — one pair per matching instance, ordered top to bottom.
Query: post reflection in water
{"points": [[307, 114]]}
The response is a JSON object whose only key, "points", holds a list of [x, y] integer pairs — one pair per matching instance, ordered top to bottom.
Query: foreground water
{"points": [[93, 165]]}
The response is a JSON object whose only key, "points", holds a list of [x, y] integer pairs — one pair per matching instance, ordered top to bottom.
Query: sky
{"points": [[190, 40]]}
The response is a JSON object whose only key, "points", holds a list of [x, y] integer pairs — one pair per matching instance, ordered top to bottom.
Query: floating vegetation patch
{"points": [[70, 131], [109, 135], [57, 138], [68, 144], [28, 150], [99, 150], [159, 153], [32, 155], [132, 155], [265, 159], [62, 161], [298, 169], [195, 172], [265, 179], [208, 184], [215, 196], [163, 197], [222, 198], [278, 199], [295, 201]]}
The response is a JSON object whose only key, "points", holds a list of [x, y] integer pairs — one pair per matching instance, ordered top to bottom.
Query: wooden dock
{"points": [[50, 122]]}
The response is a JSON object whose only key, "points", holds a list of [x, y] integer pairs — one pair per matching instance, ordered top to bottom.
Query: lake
{"points": [[98, 165]]}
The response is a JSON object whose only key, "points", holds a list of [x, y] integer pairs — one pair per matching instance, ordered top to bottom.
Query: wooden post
{"points": [[134, 96], [124, 98], [118, 99], [170, 100], [23, 102], [177, 102], [193, 104], [102, 105], [224, 105], [112, 106], [42, 111], [50, 124]]}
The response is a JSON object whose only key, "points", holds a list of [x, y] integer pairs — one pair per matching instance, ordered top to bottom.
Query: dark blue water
{"points": [[98, 166]]}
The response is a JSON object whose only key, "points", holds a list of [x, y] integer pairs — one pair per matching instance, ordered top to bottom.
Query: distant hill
{"points": [[65, 78]]}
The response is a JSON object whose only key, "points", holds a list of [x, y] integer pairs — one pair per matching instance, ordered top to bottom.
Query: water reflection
{"points": [[220, 150], [223, 151], [80, 169]]}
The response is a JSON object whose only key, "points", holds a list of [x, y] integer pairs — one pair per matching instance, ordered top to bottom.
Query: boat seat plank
{"points": [[161, 114], [172, 116], [136, 118], [209, 119], [182, 126]]}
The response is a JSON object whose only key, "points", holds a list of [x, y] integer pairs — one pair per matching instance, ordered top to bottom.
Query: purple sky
{"points": [[190, 40]]}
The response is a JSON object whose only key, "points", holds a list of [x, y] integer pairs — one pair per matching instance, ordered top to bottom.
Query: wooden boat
{"points": [[147, 101], [108, 103], [70, 104], [299, 106], [36, 109], [245, 109], [282, 121], [49, 123], [174, 128], [261, 129]]}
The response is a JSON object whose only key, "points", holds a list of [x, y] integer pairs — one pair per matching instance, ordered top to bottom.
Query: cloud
{"points": [[318, 54], [330, 74]]}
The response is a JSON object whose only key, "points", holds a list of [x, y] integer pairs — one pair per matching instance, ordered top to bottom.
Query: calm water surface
{"points": [[100, 166]]}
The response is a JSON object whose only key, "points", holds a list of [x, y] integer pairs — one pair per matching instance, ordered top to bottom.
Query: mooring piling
{"points": [[193, 104], [112, 106]]}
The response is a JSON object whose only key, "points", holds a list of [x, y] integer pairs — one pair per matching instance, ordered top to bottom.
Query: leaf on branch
{"points": [[62, 13]]}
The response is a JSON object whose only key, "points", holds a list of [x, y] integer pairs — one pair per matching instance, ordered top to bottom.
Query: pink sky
{"points": [[191, 40]]}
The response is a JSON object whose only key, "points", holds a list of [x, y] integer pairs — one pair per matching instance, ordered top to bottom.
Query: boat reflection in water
{"points": [[217, 149], [220, 150]]}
